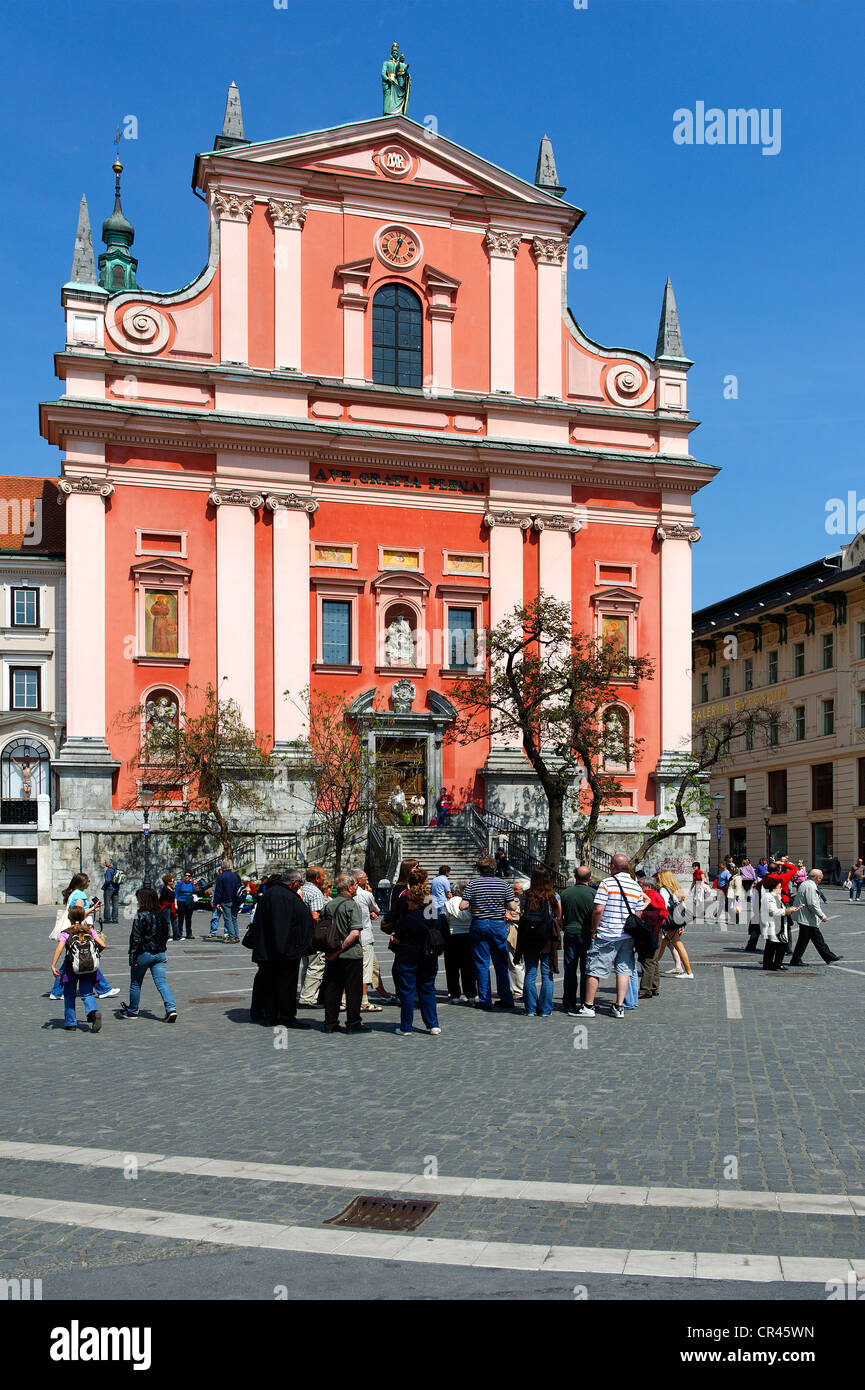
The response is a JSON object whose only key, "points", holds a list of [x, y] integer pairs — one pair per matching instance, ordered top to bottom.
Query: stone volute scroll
{"points": [[86, 485]]}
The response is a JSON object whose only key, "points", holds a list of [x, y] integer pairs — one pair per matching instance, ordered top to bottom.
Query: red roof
{"points": [[31, 521]]}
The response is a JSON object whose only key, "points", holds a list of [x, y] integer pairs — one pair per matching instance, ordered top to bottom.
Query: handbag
{"points": [[61, 924]]}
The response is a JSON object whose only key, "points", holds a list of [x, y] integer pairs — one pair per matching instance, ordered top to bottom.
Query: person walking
{"points": [[503, 867], [856, 879], [698, 888], [111, 890], [184, 894], [735, 894], [75, 895], [674, 897], [488, 899], [225, 901], [578, 901], [808, 916], [773, 919], [281, 932], [539, 936], [415, 938], [148, 941], [80, 947], [612, 950], [148, 951], [459, 966], [312, 970], [343, 971]]}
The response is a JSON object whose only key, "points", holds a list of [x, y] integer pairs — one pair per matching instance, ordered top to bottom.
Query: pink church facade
{"points": [[363, 433]]}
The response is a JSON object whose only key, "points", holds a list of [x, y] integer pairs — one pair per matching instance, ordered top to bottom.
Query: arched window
{"points": [[117, 276], [397, 337], [161, 719], [617, 737], [24, 766]]}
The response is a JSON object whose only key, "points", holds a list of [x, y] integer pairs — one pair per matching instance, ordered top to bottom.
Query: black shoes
{"points": [[831, 959], [94, 1018], [294, 1023], [333, 1028], [359, 1028]]}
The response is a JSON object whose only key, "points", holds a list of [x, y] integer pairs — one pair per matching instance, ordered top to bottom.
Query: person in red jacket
{"points": [[786, 871], [655, 917]]}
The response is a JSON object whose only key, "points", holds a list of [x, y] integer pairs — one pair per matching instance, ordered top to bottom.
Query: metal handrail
{"points": [[475, 824]]}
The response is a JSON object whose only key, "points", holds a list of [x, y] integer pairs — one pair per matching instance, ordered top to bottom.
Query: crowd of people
{"points": [[314, 945]]}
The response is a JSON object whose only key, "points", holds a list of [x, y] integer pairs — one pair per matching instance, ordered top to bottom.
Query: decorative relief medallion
{"points": [[394, 161], [232, 207], [286, 214], [505, 244], [550, 250], [85, 485], [236, 498], [291, 502], [402, 694]]}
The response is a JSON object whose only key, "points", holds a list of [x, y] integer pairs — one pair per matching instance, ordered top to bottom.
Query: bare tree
{"points": [[547, 686], [712, 748], [204, 765]]}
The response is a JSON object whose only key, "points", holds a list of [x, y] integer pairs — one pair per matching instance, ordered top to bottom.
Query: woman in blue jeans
{"points": [[76, 896], [539, 936], [147, 942], [415, 968]]}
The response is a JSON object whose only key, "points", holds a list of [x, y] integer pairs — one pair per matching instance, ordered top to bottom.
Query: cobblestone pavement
{"points": [[677, 1094]]}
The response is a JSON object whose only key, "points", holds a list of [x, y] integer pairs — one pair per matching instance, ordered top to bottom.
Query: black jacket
{"points": [[282, 926], [149, 934]]}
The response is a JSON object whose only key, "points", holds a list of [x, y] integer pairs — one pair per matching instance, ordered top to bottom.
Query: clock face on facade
{"points": [[399, 247]]}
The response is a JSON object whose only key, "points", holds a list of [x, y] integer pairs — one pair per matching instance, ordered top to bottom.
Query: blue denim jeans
{"points": [[857, 884], [229, 919], [489, 942], [155, 963], [420, 980], [100, 984], [83, 985], [544, 1004]]}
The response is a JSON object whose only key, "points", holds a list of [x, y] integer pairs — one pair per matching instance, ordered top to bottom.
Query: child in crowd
{"points": [[81, 944]]}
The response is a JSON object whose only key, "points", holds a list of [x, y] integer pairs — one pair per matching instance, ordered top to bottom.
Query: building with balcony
{"points": [[796, 646], [32, 681]]}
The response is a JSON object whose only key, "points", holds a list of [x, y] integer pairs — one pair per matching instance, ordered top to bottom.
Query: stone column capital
{"points": [[233, 207], [285, 213], [502, 244], [549, 250], [85, 485], [236, 497], [291, 502], [508, 518], [678, 532]]}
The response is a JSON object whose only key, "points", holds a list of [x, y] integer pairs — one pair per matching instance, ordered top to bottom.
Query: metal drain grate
{"points": [[22, 970], [220, 998], [383, 1214]]}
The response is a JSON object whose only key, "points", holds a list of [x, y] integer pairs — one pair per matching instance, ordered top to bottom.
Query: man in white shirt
{"points": [[312, 893], [368, 911], [611, 949]]}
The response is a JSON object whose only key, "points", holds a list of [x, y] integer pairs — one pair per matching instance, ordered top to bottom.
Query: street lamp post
{"points": [[146, 798], [718, 799], [767, 814]]}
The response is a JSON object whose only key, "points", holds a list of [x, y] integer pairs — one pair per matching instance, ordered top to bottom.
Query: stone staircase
{"points": [[432, 847]]}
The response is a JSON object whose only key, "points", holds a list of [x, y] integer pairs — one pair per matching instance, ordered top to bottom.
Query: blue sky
{"points": [[764, 250]]}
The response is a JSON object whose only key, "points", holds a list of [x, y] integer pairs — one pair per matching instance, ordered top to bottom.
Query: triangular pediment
{"points": [[372, 149], [161, 568]]}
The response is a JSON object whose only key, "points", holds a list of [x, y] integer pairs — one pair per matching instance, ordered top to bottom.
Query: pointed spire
{"points": [[232, 124], [546, 177], [83, 265], [117, 265], [669, 343]]}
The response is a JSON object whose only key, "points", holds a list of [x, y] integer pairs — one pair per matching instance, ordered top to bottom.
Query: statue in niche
{"points": [[399, 643], [25, 769]]}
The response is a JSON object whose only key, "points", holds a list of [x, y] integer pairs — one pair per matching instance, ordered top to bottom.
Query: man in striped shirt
{"points": [[488, 899], [612, 950]]}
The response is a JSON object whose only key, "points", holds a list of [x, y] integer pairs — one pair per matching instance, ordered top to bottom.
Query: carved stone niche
{"points": [[400, 595]]}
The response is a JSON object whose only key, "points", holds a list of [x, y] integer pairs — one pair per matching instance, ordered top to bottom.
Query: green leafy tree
{"points": [[546, 686]]}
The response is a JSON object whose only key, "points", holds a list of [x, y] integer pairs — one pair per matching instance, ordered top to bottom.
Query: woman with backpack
{"points": [[75, 895], [674, 897], [539, 936], [147, 942], [81, 944], [417, 944]]}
